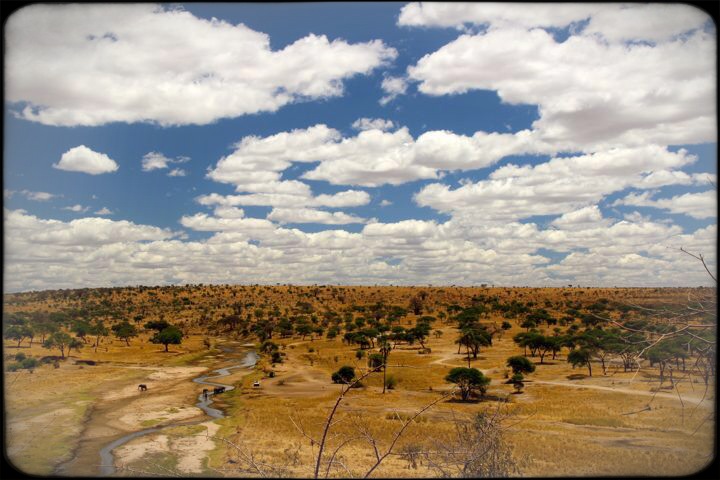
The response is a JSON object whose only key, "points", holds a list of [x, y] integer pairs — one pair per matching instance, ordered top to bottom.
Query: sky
{"points": [[359, 144]]}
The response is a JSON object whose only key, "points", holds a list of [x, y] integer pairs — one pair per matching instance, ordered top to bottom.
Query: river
{"points": [[107, 459]]}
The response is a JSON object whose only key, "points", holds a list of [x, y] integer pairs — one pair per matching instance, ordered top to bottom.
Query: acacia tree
{"points": [[99, 330], [124, 331], [18, 333], [169, 335], [472, 337], [62, 341], [581, 356], [379, 360], [520, 364], [345, 374], [468, 380]]}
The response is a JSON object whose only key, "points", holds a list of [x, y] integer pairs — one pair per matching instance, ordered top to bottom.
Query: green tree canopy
{"points": [[124, 331], [169, 335], [520, 364], [345, 374], [468, 380]]}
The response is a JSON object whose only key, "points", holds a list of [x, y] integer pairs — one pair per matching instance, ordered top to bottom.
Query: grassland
{"points": [[564, 422]]}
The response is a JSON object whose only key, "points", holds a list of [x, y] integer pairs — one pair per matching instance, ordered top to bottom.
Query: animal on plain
{"points": [[142, 387], [217, 390], [205, 393]]}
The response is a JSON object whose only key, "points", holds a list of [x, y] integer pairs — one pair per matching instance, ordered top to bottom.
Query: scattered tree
{"points": [[167, 336], [468, 380]]}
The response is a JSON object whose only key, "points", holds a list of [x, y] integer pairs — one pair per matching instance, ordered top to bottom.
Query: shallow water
{"points": [[107, 459]]}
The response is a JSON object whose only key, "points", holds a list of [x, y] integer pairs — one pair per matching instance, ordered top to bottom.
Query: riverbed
{"points": [[102, 437]]}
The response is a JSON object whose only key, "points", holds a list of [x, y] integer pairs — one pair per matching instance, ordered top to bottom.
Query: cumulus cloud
{"points": [[614, 22], [649, 22], [144, 63], [392, 86], [619, 104], [373, 124], [371, 158], [82, 159], [154, 161], [157, 161], [177, 172], [558, 186], [36, 196], [347, 198], [697, 205], [77, 208], [103, 211], [309, 215], [584, 218], [101, 252]]}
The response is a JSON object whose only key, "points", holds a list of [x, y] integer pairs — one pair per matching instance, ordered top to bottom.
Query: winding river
{"points": [[107, 459]]}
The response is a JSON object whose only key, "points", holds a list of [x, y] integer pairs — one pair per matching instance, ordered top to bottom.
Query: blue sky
{"points": [[366, 143]]}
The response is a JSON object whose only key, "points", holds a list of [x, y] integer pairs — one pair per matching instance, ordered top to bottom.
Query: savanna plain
{"points": [[356, 381]]}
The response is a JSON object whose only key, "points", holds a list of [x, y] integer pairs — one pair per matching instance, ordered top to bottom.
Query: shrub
{"points": [[359, 354], [20, 357], [276, 357], [345, 374], [391, 382]]}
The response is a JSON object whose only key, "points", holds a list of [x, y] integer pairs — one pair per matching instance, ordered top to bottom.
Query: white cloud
{"points": [[527, 15], [614, 22], [651, 22], [149, 63], [392, 86], [618, 104], [373, 124], [371, 158], [82, 159], [154, 161], [157, 161], [177, 172], [558, 186], [38, 196], [348, 198], [385, 203], [697, 205], [77, 208], [103, 211], [229, 212], [309, 215], [582, 219], [203, 222], [89, 232], [100, 252]]}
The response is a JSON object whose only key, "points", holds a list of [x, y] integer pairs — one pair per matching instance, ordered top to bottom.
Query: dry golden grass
{"points": [[563, 427]]}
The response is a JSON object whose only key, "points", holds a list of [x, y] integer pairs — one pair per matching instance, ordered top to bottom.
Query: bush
{"points": [[359, 354], [20, 357], [276, 357], [26, 364], [345, 374], [391, 382]]}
